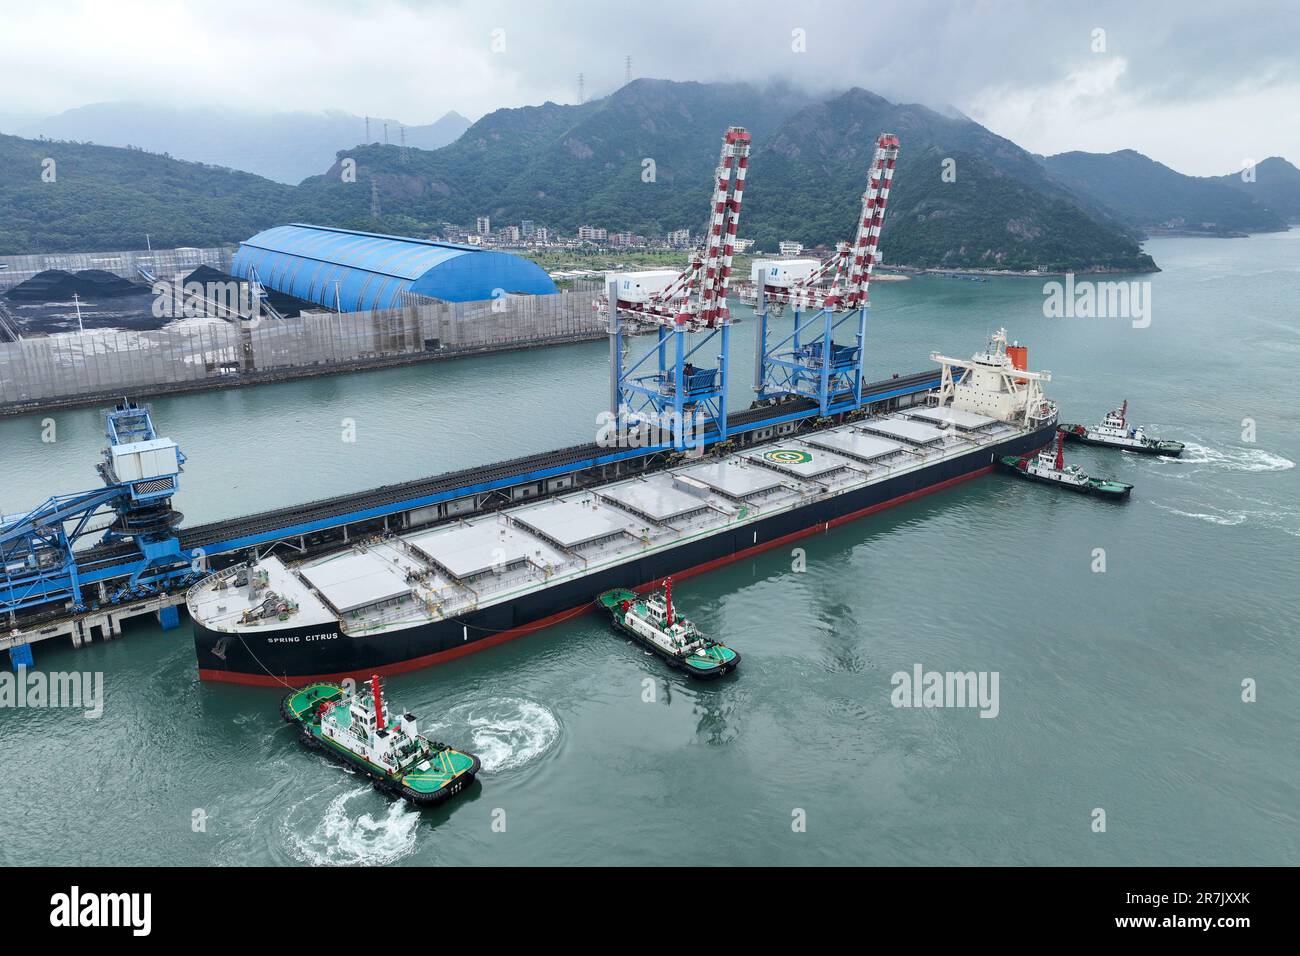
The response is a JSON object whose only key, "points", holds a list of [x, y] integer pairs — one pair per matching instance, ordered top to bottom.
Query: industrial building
{"points": [[358, 271]]}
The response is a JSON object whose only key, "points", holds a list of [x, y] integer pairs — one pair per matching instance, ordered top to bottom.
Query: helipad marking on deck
{"points": [[788, 456]]}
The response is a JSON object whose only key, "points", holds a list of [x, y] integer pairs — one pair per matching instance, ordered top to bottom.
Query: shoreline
{"points": [[1011, 273]]}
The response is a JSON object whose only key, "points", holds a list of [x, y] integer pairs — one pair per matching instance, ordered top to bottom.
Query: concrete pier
{"points": [[104, 624]]}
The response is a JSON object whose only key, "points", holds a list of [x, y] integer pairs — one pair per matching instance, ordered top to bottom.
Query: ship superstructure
{"points": [[995, 382]]}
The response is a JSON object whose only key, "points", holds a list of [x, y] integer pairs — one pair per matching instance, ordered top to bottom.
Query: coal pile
{"points": [[55, 285], [44, 303], [287, 305]]}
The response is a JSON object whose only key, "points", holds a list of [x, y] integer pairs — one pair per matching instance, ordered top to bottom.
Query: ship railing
{"points": [[211, 579]]}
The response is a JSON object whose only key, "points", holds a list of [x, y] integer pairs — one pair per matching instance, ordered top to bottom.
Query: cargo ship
{"points": [[1115, 432], [396, 602]]}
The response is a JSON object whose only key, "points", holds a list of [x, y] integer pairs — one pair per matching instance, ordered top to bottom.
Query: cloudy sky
{"points": [[1199, 86]]}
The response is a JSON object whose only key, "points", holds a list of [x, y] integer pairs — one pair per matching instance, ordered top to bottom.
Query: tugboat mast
{"points": [[379, 702]]}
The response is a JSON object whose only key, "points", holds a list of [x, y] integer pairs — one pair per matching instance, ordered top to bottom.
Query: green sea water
{"points": [[1118, 691]]}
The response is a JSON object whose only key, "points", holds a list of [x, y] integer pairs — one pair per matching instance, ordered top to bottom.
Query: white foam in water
{"points": [[1233, 459], [1229, 519], [504, 732], [340, 839]]}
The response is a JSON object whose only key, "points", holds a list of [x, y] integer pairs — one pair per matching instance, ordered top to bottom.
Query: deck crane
{"points": [[808, 362], [665, 390], [129, 519]]}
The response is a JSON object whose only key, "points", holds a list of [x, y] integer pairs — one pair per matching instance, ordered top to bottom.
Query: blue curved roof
{"points": [[356, 271]]}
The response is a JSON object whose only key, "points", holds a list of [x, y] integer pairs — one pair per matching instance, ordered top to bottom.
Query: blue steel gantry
{"points": [[809, 362], [673, 396], [131, 516]]}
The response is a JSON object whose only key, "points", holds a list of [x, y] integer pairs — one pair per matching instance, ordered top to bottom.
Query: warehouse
{"points": [[358, 271]]}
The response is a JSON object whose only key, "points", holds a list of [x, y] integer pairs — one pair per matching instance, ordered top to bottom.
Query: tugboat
{"points": [[1115, 432], [1049, 466], [652, 623], [358, 730]]}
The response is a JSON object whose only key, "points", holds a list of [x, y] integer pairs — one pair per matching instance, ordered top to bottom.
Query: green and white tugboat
{"points": [[1116, 432], [1049, 467], [652, 623], [358, 730]]}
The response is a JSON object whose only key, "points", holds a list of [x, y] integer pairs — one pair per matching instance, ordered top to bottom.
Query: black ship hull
{"points": [[323, 652]]}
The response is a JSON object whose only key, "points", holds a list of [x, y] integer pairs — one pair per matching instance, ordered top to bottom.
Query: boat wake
{"points": [[1232, 459], [1228, 519], [505, 732], [341, 839]]}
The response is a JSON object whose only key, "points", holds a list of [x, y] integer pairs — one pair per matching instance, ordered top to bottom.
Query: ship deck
{"points": [[396, 581]]}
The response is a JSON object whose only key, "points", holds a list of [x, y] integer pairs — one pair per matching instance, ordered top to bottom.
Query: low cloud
{"points": [[1031, 71]]}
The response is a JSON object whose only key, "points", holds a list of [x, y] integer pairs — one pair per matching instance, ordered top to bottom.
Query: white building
{"points": [[483, 226], [592, 234], [791, 248]]}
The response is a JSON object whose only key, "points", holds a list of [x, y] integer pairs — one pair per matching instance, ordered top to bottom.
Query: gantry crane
{"points": [[808, 362], [666, 390]]}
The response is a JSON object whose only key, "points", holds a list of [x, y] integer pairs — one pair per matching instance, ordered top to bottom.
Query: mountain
{"points": [[435, 135], [286, 147], [641, 160], [562, 165], [569, 165], [1276, 187], [1147, 195], [103, 197], [997, 209]]}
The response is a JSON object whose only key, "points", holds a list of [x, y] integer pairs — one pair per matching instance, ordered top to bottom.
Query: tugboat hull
{"points": [[1079, 433], [1112, 490], [611, 601], [676, 662], [297, 707]]}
